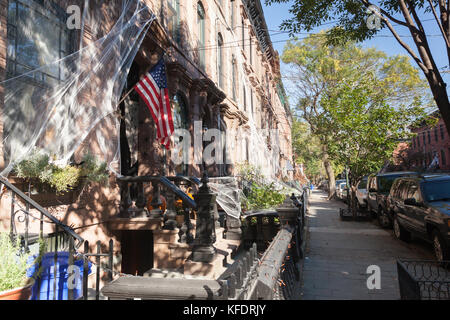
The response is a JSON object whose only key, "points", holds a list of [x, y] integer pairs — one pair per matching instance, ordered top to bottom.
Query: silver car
{"points": [[341, 191], [361, 194]]}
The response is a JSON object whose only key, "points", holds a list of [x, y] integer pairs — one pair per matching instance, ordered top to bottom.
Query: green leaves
{"points": [[357, 102], [62, 178], [258, 193], [13, 264]]}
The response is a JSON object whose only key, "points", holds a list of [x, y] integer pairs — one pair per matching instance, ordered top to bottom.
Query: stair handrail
{"points": [[167, 182], [39, 208]]}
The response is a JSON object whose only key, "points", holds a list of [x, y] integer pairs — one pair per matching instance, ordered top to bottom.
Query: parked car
{"points": [[338, 182], [378, 187], [341, 191], [361, 194], [421, 207]]}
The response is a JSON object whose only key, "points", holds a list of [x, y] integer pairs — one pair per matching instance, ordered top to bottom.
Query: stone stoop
{"points": [[226, 250], [170, 255]]}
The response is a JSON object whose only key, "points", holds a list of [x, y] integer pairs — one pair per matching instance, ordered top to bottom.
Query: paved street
{"points": [[339, 252]]}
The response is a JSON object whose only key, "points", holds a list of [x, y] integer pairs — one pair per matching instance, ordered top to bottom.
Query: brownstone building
{"points": [[222, 70]]}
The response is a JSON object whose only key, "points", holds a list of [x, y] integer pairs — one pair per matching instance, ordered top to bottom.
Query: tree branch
{"points": [[439, 24]]}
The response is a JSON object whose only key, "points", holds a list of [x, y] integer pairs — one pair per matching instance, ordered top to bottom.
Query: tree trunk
{"points": [[441, 98], [330, 173], [352, 204]]}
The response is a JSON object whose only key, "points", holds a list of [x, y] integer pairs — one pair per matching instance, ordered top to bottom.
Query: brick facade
{"points": [[431, 140]]}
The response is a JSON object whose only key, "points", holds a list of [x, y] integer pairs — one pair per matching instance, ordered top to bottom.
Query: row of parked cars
{"points": [[412, 204]]}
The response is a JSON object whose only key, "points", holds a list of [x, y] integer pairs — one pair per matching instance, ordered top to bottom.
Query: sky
{"points": [[384, 41]]}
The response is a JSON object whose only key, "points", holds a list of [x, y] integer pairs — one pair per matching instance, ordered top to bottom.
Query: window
{"points": [[173, 17], [232, 17], [201, 34], [243, 34], [37, 35], [251, 50], [220, 59], [234, 77], [268, 86], [244, 97], [251, 100], [180, 121], [441, 127], [436, 134], [429, 136], [418, 140], [424, 142], [443, 160], [402, 190], [436, 190], [413, 192]]}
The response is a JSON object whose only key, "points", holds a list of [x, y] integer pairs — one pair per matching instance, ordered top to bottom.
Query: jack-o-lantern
{"points": [[179, 202], [162, 207]]}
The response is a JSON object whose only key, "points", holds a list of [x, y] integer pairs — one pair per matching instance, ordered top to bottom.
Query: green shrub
{"points": [[33, 167], [93, 170], [62, 179], [258, 193], [13, 264]]}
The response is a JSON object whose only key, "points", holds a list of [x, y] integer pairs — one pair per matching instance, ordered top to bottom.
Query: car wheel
{"points": [[383, 218], [400, 232], [441, 251]]}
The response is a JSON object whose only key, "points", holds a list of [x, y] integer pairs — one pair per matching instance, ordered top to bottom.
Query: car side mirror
{"points": [[372, 190], [411, 202]]}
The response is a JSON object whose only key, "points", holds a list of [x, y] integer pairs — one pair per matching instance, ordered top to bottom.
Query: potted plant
{"points": [[14, 283]]}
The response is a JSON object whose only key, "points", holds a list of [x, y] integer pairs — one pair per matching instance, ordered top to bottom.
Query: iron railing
{"points": [[63, 238], [274, 274], [423, 280]]}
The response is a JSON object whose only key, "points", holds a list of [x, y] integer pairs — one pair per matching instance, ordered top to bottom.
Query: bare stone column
{"points": [[234, 231]]}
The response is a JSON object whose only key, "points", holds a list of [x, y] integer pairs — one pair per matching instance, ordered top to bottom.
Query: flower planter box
{"points": [[43, 194], [53, 199]]}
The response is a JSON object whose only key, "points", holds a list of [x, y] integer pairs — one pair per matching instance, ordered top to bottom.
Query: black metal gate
{"points": [[423, 280]]}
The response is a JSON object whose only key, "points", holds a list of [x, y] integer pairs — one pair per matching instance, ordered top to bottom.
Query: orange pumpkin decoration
{"points": [[179, 202], [162, 207]]}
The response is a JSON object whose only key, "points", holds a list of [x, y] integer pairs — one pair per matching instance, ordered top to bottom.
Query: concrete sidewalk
{"points": [[338, 254]]}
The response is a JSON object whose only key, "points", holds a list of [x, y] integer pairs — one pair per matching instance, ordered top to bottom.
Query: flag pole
{"points": [[124, 97]]}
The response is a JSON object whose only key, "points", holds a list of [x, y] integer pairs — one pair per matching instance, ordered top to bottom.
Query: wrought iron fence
{"points": [[64, 239], [424, 280]]}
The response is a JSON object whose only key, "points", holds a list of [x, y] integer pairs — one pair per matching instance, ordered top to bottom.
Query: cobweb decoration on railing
{"points": [[63, 105], [228, 195]]}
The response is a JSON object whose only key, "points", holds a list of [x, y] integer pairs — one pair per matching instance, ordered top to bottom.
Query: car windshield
{"points": [[385, 183], [362, 184], [436, 190]]}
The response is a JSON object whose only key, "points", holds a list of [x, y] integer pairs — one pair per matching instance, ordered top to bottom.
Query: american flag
{"points": [[153, 90]]}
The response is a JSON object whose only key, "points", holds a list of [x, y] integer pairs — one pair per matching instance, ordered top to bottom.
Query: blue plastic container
{"points": [[43, 287]]}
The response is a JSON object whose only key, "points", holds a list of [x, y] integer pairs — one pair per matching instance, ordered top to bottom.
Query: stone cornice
{"points": [[238, 114]]}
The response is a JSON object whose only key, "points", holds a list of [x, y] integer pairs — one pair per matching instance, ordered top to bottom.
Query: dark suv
{"points": [[378, 188], [421, 206]]}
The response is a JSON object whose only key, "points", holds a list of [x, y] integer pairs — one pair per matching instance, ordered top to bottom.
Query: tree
{"points": [[352, 24], [318, 68], [367, 131], [307, 149]]}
